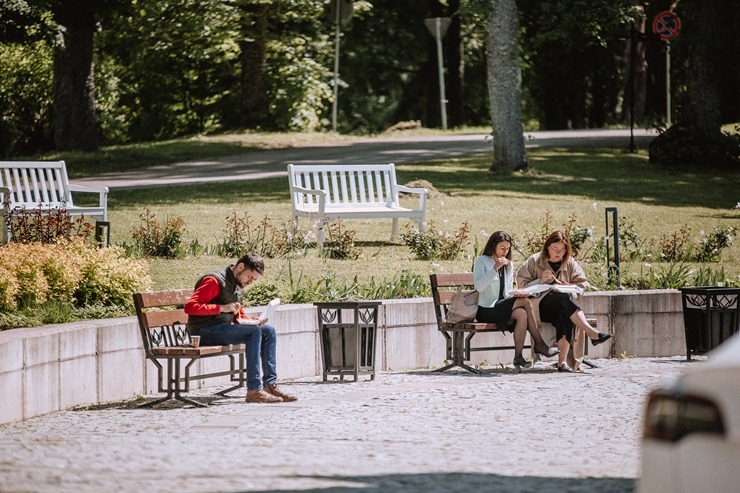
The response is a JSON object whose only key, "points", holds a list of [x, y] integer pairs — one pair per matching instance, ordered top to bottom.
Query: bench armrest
{"points": [[102, 191], [418, 191], [320, 193], [422, 193], [320, 197]]}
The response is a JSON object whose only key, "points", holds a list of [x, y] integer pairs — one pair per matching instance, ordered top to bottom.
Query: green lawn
{"points": [[578, 182]]}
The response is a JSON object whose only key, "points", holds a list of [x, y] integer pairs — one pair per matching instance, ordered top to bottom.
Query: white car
{"points": [[691, 433]]}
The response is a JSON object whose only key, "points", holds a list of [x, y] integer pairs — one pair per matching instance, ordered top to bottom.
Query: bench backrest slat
{"points": [[36, 183], [354, 184], [449, 283], [162, 320]]}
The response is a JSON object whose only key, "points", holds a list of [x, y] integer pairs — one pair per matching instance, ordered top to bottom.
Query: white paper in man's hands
{"points": [[266, 314]]}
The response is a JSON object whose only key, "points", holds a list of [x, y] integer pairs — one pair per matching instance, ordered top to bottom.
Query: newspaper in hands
{"points": [[266, 314]]}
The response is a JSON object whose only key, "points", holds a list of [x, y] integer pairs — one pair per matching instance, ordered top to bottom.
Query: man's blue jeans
{"points": [[261, 348]]}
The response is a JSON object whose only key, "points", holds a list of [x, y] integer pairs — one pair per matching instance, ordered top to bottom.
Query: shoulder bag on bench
{"points": [[463, 307]]}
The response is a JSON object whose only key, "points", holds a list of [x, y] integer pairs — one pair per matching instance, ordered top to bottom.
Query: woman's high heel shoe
{"points": [[602, 337], [546, 351], [519, 361], [564, 368]]}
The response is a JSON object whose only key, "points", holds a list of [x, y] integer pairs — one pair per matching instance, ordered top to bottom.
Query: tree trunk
{"points": [[253, 44], [456, 62], [504, 86], [702, 112], [75, 122]]}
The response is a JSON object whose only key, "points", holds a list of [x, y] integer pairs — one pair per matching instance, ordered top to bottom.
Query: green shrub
{"points": [[45, 225], [156, 240], [340, 244], [435, 244], [711, 246], [110, 278], [260, 294], [14, 320]]}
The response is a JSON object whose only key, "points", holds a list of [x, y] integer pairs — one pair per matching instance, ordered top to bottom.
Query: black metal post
{"points": [[633, 49], [612, 268]]}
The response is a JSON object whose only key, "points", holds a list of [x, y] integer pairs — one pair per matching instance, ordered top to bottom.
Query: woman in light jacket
{"points": [[555, 265], [493, 275]]}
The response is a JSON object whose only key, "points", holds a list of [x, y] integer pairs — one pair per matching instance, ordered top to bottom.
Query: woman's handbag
{"points": [[463, 307]]}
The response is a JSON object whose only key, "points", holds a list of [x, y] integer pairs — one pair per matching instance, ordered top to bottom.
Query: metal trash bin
{"points": [[710, 315], [348, 331]]}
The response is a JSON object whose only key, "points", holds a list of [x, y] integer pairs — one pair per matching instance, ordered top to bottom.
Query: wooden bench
{"points": [[44, 185], [327, 192], [162, 322], [459, 336]]}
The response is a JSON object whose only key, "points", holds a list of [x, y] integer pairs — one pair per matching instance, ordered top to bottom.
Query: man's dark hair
{"points": [[252, 261]]}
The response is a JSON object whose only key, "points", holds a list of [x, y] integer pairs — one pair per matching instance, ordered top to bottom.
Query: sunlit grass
{"points": [[567, 182]]}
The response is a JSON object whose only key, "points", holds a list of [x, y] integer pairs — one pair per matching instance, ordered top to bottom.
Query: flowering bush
{"points": [[156, 240], [340, 244], [435, 244], [68, 272]]}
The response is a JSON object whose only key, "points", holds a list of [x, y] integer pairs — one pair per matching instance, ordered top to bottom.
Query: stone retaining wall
{"points": [[57, 367]]}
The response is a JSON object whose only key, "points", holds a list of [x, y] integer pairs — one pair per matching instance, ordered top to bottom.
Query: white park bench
{"points": [[44, 185], [327, 192]]}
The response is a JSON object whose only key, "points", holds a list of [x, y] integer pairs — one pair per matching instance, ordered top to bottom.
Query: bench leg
{"points": [[394, 231], [320, 236], [458, 347], [241, 379], [173, 389]]}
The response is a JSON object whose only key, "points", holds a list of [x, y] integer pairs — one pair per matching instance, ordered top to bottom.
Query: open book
{"points": [[537, 289], [266, 314]]}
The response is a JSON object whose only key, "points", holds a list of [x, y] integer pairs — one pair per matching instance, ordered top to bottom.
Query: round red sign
{"points": [[666, 25]]}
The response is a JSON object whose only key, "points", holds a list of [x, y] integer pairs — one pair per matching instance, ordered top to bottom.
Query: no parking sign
{"points": [[666, 25]]}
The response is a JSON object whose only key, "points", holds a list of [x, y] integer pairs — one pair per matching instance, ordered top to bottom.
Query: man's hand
{"points": [[231, 308]]}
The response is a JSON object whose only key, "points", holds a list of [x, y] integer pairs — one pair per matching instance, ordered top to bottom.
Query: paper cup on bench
{"points": [[195, 341]]}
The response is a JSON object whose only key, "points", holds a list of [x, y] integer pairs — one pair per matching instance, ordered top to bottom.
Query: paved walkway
{"points": [[273, 163], [417, 431]]}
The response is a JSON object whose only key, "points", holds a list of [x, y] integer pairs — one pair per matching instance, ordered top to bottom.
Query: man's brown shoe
{"points": [[274, 390], [262, 397]]}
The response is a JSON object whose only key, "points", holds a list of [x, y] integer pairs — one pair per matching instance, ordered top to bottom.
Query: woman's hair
{"points": [[558, 237], [494, 240]]}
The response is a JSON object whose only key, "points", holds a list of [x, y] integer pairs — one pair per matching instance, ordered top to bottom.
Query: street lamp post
{"points": [[438, 27], [633, 37]]}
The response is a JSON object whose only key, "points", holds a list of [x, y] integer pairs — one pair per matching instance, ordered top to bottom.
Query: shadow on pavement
{"points": [[468, 482]]}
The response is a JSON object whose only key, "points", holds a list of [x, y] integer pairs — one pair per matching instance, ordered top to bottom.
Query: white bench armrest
{"points": [[90, 189], [405, 189], [102, 191], [321, 193]]}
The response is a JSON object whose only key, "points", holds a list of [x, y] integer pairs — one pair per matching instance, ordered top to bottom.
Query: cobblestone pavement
{"points": [[416, 431]]}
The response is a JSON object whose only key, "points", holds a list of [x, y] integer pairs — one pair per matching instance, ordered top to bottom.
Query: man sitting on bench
{"points": [[215, 314]]}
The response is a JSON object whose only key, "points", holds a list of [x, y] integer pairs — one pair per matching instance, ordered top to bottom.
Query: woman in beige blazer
{"points": [[555, 265]]}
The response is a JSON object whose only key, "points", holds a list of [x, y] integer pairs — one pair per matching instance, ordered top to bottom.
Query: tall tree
{"points": [[710, 44], [253, 60], [504, 85], [75, 122]]}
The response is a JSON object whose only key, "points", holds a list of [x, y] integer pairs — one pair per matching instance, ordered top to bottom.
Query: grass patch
{"points": [[566, 182]]}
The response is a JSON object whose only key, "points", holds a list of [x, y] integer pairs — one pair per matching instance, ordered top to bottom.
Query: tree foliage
{"points": [[75, 72]]}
